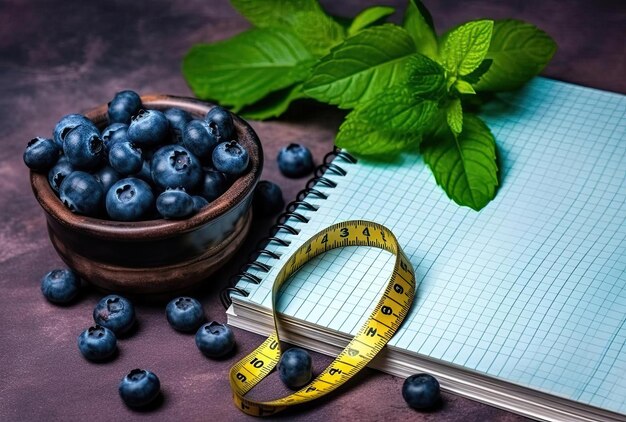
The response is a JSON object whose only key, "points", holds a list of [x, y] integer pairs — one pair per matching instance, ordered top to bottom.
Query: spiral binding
{"points": [[327, 166]]}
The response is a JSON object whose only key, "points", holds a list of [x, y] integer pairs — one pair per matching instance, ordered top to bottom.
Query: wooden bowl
{"points": [[157, 256]]}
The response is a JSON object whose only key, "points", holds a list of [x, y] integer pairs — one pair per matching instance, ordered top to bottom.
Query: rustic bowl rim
{"points": [[156, 229]]}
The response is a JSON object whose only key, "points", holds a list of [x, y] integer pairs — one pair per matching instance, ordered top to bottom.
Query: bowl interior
{"points": [[238, 191]]}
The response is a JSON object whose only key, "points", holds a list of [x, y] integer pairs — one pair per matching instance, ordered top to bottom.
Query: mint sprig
{"points": [[408, 89]]}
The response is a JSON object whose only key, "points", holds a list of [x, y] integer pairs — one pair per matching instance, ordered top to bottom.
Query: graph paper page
{"points": [[531, 289]]}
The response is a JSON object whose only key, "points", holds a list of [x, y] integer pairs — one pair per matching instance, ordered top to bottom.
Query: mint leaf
{"points": [[368, 17], [419, 24], [318, 31], [464, 47], [519, 51], [362, 66], [245, 68], [475, 75], [427, 78], [464, 87], [274, 104], [454, 116], [363, 139], [465, 165]]}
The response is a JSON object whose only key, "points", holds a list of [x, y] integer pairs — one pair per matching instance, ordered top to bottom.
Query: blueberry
{"points": [[123, 106], [178, 120], [67, 123], [221, 123], [148, 128], [116, 132], [198, 138], [83, 147], [41, 154], [125, 158], [230, 158], [295, 160], [175, 166], [60, 171], [145, 173], [107, 176], [214, 184], [81, 193], [268, 198], [129, 199], [175, 203], [198, 203], [60, 286], [115, 313], [184, 314], [215, 340], [97, 343], [294, 368], [139, 388], [421, 391]]}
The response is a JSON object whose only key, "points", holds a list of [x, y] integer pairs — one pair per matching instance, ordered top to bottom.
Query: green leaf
{"points": [[368, 17], [419, 24], [318, 31], [464, 47], [519, 51], [362, 66], [245, 68], [475, 75], [427, 78], [464, 87], [274, 104], [454, 116], [363, 139], [465, 165]]}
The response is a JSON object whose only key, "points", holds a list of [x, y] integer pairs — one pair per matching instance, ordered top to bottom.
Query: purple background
{"points": [[59, 57]]}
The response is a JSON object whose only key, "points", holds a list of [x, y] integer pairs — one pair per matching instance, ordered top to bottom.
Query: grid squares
{"points": [[531, 289]]}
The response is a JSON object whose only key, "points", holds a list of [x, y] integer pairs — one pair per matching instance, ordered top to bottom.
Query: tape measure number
{"points": [[370, 339]]}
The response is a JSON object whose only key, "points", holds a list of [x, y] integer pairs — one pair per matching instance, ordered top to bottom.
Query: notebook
{"points": [[521, 305]]}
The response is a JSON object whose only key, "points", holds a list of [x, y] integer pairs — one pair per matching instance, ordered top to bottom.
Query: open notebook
{"points": [[521, 305]]}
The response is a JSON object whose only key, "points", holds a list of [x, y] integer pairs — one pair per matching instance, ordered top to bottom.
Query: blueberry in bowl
{"points": [[140, 252]]}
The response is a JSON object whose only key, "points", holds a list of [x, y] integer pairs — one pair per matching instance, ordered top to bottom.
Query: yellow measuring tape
{"points": [[371, 338]]}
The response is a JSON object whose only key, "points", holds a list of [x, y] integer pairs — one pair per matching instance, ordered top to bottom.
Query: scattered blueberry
{"points": [[123, 106], [178, 120], [67, 123], [221, 123], [149, 128], [114, 133], [198, 138], [83, 147], [41, 154], [125, 158], [230, 158], [295, 160], [174, 166], [60, 171], [107, 176], [213, 185], [81, 193], [268, 198], [129, 199], [175, 203], [198, 203], [60, 286], [115, 313], [184, 314], [215, 340], [97, 343], [294, 368], [139, 388], [421, 391]]}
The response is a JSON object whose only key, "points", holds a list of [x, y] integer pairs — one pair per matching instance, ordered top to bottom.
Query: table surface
{"points": [[59, 57]]}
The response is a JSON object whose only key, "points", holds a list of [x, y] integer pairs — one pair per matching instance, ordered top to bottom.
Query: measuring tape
{"points": [[371, 338]]}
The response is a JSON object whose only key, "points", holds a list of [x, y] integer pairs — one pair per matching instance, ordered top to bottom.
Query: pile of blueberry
{"points": [[146, 164]]}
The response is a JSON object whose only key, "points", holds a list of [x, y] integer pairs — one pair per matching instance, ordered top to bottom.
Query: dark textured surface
{"points": [[59, 57]]}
